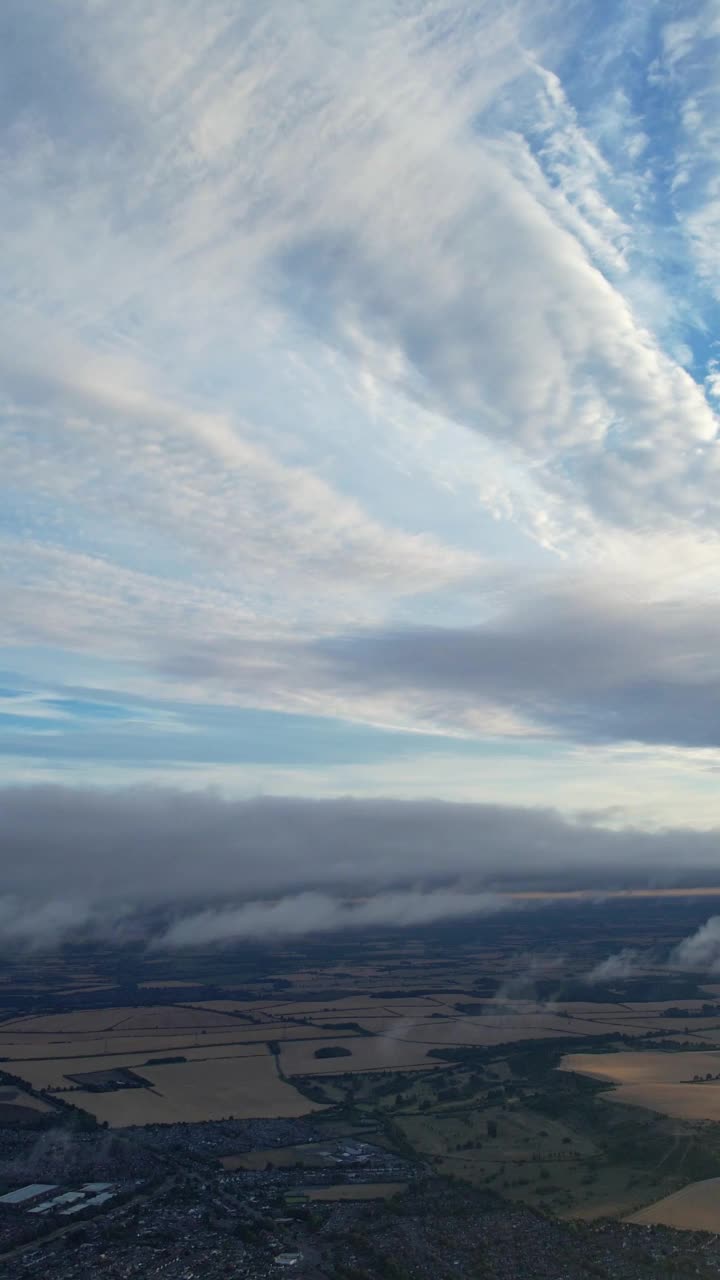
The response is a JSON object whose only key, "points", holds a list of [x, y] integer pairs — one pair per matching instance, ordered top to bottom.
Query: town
{"points": [[291, 1199]]}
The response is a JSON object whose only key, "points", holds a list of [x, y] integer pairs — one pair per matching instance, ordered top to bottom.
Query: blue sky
{"points": [[358, 421]]}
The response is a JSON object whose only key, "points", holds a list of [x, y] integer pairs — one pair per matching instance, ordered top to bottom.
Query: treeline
{"points": [[79, 1119]]}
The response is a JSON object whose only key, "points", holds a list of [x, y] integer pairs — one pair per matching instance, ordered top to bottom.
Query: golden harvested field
{"points": [[165, 1018], [88, 1021], [67, 1046], [376, 1053], [643, 1068], [660, 1082], [246, 1088], [684, 1101], [354, 1191], [695, 1208]]}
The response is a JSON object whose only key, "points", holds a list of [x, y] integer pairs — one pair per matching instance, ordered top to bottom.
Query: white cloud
{"points": [[691, 55], [367, 207], [315, 318], [109, 445], [89, 858], [306, 913], [43, 925], [701, 950], [623, 964]]}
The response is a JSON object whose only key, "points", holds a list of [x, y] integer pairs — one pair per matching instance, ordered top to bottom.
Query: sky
{"points": [[359, 391]]}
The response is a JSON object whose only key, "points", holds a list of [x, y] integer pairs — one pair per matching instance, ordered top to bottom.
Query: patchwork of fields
{"points": [[444, 1047], [222, 1057], [245, 1087]]}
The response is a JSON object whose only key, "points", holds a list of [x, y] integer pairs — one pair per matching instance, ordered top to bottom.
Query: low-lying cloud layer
{"points": [[85, 858], [306, 913]]}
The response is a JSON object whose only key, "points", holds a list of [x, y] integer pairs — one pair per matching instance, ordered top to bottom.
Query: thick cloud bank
{"points": [[598, 661], [585, 662], [82, 858]]}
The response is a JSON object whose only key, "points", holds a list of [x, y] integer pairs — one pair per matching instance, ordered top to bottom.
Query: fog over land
{"points": [[272, 864]]}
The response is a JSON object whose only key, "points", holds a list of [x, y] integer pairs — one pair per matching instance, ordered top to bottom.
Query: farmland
{"points": [[372, 1033], [320, 1038], [446, 1043], [372, 1053], [676, 1084], [210, 1090], [694, 1208]]}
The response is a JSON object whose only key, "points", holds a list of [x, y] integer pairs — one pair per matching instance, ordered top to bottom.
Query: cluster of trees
{"points": [[332, 1051]]}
